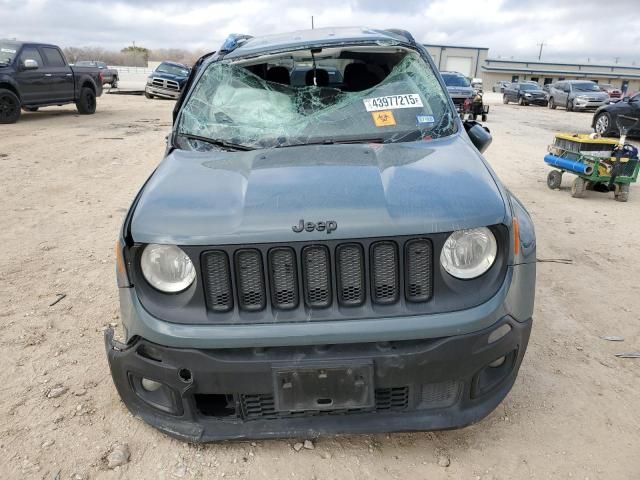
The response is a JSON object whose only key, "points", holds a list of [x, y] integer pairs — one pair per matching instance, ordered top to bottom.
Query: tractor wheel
{"points": [[554, 179], [578, 188], [622, 192]]}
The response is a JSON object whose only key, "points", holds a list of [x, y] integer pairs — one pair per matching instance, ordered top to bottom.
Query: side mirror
{"points": [[30, 64], [626, 99], [480, 136]]}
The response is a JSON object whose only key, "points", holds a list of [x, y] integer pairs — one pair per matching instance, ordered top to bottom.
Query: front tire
{"points": [[114, 82], [148, 95], [505, 100], [521, 102], [86, 103], [552, 104], [569, 105], [9, 106], [603, 124], [554, 179], [579, 187], [622, 192]]}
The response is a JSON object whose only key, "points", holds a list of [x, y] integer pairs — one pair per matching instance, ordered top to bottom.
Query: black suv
{"points": [[524, 94]]}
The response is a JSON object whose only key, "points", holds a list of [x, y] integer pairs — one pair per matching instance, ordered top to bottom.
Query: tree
{"points": [[136, 56]]}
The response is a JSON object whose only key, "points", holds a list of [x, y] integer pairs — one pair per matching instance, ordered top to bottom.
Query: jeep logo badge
{"points": [[326, 226]]}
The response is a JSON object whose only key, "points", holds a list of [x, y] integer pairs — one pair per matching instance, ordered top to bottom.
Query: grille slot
{"points": [[418, 268], [316, 269], [350, 271], [284, 278], [250, 279], [385, 279], [217, 281], [443, 394], [392, 398]]}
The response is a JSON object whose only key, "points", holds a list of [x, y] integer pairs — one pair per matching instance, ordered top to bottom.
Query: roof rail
{"points": [[402, 33], [233, 41]]}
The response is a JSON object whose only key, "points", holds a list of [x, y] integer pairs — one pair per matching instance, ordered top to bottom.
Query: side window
{"points": [[31, 53], [53, 57]]}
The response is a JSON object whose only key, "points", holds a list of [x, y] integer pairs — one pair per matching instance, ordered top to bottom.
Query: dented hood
{"points": [[369, 190]]}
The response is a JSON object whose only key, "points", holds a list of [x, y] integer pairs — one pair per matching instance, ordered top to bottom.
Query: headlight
{"points": [[149, 80], [527, 94], [469, 253], [167, 268]]}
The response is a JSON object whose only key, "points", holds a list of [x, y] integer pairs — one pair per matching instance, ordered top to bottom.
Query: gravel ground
{"points": [[66, 184]]}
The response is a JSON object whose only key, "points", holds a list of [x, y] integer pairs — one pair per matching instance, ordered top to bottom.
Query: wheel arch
{"points": [[12, 88]]}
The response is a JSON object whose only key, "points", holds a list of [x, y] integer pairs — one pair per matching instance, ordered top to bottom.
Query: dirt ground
{"points": [[66, 182]]}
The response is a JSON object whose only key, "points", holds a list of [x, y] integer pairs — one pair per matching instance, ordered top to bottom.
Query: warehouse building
{"points": [[466, 60], [474, 62], [626, 78]]}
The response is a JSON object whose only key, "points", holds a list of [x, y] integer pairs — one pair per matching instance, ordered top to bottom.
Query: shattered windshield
{"points": [[7, 53], [343, 96]]}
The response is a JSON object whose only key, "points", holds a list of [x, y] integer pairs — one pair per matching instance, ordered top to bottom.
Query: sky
{"points": [[595, 31]]}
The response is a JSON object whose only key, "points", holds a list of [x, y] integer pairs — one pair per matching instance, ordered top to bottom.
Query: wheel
{"points": [[114, 82], [148, 95], [505, 100], [521, 102], [86, 103], [552, 104], [569, 105], [9, 106], [30, 109], [484, 117], [603, 124], [554, 179], [578, 188], [621, 193]]}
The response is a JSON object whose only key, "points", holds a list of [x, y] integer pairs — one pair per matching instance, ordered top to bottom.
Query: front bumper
{"points": [[162, 92], [537, 101], [588, 104], [218, 394]]}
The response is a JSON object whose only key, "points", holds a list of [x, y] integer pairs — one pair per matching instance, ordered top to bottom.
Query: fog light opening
{"points": [[499, 332], [498, 362], [184, 374], [150, 385]]}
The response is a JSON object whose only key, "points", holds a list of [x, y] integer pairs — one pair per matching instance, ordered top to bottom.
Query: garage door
{"points": [[460, 64]]}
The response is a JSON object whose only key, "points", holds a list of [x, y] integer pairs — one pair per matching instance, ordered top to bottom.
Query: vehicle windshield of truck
{"points": [[7, 52], [172, 70], [453, 80], [586, 87], [376, 94]]}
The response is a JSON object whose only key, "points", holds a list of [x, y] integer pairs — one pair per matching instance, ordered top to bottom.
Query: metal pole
{"points": [[312, 26], [540, 52]]}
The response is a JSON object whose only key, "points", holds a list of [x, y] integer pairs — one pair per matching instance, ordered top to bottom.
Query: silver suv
{"points": [[576, 95]]}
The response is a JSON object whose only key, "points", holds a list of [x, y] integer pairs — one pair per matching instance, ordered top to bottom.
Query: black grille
{"points": [[384, 264], [350, 266], [418, 267], [317, 276], [250, 278], [284, 278], [217, 281], [443, 394], [259, 406]]}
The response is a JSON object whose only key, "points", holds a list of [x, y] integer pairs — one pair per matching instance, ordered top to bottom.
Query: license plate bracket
{"points": [[323, 387]]}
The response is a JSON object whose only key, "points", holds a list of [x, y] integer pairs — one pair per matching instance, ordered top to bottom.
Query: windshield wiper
{"points": [[330, 141], [217, 143]]}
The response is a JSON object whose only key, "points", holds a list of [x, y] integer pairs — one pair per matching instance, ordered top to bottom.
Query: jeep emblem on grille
{"points": [[328, 226]]}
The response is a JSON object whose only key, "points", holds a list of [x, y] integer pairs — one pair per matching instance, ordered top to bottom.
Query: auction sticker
{"points": [[392, 102], [384, 118], [422, 119]]}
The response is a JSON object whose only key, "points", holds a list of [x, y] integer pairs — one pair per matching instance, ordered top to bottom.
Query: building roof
{"points": [[538, 62], [574, 73]]}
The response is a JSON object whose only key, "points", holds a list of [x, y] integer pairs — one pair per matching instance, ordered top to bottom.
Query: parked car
{"points": [[35, 75], [109, 75], [167, 80], [499, 86], [459, 88], [614, 93], [524, 94], [576, 95], [605, 118], [309, 260]]}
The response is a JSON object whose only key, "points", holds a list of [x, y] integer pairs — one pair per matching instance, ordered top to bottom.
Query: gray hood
{"points": [[220, 197]]}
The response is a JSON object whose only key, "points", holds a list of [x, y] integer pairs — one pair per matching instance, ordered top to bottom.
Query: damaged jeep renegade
{"points": [[322, 250]]}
